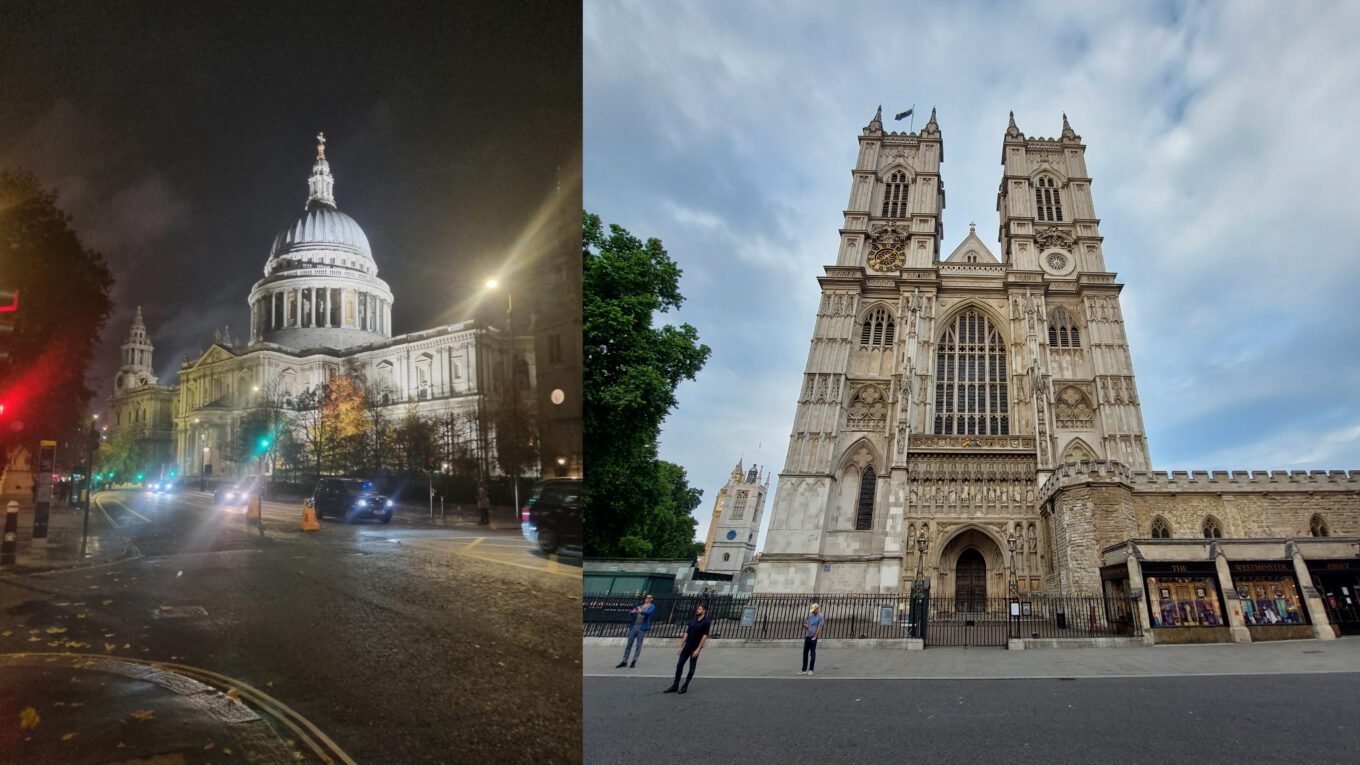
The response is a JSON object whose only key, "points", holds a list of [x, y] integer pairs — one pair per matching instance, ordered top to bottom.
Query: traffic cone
{"points": [[309, 522]]}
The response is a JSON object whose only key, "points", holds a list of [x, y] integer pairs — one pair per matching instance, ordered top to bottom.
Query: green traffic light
{"points": [[264, 443], [172, 474], [139, 476]]}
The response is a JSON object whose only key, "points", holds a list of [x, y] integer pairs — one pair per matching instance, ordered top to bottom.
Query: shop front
{"points": [[1338, 585], [1269, 595], [1184, 597]]}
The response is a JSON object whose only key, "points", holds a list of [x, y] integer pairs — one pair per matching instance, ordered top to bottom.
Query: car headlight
{"points": [[363, 503], [389, 503]]}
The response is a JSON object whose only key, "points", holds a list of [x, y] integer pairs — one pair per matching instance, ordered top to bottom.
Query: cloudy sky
{"points": [[180, 137], [1220, 139]]}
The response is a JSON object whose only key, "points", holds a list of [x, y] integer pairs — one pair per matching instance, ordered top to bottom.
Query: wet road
{"points": [[404, 642]]}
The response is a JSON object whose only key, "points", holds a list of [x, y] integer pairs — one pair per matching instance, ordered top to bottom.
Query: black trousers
{"points": [[687, 653], [809, 654]]}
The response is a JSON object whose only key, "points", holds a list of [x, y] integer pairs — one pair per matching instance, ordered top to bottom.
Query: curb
{"points": [[130, 552], [227, 707]]}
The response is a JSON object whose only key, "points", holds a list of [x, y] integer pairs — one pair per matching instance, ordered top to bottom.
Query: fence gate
{"points": [[968, 621]]}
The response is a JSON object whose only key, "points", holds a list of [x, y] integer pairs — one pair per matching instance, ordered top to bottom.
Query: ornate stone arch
{"points": [[877, 325], [971, 382], [1072, 409], [1076, 451], [860, 454], [1317, 526], [1161, 527], [1212, 527]]}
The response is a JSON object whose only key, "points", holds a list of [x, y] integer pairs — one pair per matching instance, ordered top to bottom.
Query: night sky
{"points": [[180, 138]]}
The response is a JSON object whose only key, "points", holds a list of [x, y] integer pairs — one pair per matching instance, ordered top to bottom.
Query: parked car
{"points": [[237, 495], [351, 499], [551, 518]]}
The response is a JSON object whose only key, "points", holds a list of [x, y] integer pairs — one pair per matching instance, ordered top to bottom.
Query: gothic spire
{"points": [[877, 122], [931, 128], [1012, 131], [1068, 133], [321, 185]]}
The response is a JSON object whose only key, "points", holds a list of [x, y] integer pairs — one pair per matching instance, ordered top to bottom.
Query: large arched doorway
{"points": [[970, 581]]}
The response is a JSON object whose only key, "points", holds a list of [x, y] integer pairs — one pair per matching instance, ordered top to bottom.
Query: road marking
{"points": [[128, 509], [475, 542], [442, 544], [552, 563]]}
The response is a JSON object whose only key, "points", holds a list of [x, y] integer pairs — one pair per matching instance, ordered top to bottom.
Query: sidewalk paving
{"points": [[62, 548], [783, 660], [75, 708]]}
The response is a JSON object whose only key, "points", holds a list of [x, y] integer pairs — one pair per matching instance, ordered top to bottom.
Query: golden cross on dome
{"points": [[320, 145]]}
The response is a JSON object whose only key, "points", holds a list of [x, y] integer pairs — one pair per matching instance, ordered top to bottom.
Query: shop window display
{"points": [[1273, 600], [1184, 601]]}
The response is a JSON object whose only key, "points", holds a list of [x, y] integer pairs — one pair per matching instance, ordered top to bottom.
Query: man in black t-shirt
{"points": [[695, 637]]}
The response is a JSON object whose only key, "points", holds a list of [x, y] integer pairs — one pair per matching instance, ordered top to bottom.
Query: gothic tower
{"points": [[135, 370], [941, 391], [736, 522]]}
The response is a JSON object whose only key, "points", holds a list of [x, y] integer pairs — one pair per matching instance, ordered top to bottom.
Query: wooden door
{"points": [[970, 581]]}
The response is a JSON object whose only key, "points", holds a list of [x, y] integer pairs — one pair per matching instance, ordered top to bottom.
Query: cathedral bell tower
{"points": [[135, 370], [736, 522]]}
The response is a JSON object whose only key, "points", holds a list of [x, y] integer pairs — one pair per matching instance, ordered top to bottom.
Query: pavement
{"points": [[61, 549], [407, 642], [781, 660], [1277, 702], [70, 708]]}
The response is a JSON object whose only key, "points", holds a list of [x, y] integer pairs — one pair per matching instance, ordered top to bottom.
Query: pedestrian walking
{"points": [[483, 504], [641, 616], [812, 629], [695, 637]]}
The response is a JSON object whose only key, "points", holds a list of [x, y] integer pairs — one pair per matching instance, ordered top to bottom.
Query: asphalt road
{"points": [[395, 640], [1256, 719]]}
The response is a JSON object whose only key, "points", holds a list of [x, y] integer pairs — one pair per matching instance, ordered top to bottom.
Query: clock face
{"points": [[886, 257]]}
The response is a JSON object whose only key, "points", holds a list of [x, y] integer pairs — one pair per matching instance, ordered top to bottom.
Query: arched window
{"points": [[895, 196], [1047, 203], [877, 329], [1062, 330], [970, 379], [864, 518], [1318, 527], [1160, 528], [1212, 528], [727, 557]]}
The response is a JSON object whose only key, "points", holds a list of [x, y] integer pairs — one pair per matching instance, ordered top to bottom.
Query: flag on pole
{"points": [[905, 114]]}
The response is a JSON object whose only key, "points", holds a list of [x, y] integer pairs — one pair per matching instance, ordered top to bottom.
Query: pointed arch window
{"points": [[895, 196], [1047, 203], [877, 329], [1062, 330], [971, 396], [864, 517], [1318, 527], [1160, 528], [1212, 528]]}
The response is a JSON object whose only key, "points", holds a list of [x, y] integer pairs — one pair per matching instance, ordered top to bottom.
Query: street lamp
{"points": [[492, 284], [920, 553], [1014, 587]]}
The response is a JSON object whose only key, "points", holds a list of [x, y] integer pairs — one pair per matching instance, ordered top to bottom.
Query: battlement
{"points": [[1203, 481]]}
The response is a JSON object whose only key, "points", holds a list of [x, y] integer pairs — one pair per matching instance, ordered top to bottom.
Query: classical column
{"points": [[1139, 594], [1317, 614]]}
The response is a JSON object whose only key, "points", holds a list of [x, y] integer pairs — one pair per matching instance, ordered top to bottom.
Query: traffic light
{"points": [[9, 306], [264, 443], [172, 473], [139, 476]]}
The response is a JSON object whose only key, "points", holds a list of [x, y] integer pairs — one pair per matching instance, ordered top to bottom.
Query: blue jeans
{"points": [[634, 631], [809, 654]]}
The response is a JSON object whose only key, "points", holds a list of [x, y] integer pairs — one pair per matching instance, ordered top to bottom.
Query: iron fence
{"points": [[941, 621]]}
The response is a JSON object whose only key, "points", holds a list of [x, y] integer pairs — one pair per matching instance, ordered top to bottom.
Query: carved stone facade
{"points": [[1004, 406]]}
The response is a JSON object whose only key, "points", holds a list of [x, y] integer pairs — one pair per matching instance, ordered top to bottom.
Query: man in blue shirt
{"points": [[640, 620], [813, 630], [695, 637]]}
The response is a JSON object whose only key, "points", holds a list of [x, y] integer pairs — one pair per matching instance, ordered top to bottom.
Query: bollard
{"points": [[11, 539]]}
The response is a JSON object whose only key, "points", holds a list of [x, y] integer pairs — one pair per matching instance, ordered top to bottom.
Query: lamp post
{"points": [[492, 284], [92, 444], [920, 554], [1014, 587]]}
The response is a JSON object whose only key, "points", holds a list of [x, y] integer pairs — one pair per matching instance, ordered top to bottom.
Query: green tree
{"points": [[63, 303], [631, 371], [125, 454]]}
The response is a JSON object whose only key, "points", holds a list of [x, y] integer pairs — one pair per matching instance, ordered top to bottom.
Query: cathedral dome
{"points": [[321, 227], [320, 287]]}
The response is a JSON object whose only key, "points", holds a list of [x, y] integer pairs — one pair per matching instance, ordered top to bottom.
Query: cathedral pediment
{"points": [[972, 250], [214, 354]]}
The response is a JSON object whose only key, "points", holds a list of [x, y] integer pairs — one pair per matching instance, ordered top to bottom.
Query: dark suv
{"points": [[351, 499], [552, 516]]}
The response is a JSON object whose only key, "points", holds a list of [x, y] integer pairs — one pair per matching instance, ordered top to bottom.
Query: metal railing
{"points": [[865, 617]]}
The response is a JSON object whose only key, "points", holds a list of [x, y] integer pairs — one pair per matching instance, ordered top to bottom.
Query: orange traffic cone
{"points": [[309, 522]]}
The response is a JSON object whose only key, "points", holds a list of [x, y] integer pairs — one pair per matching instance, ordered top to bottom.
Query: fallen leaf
{"points": [[106, 602], [166, 608], [80, 616], [55, 630], [6, 633], [34, 639], [127, 645], [108, 647], [233, 694], [59, 704], [75, 704], [142, 714], [29, 719], [69, 736], [121, 745], [208, 746], [227, 752], [298, 755]]}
